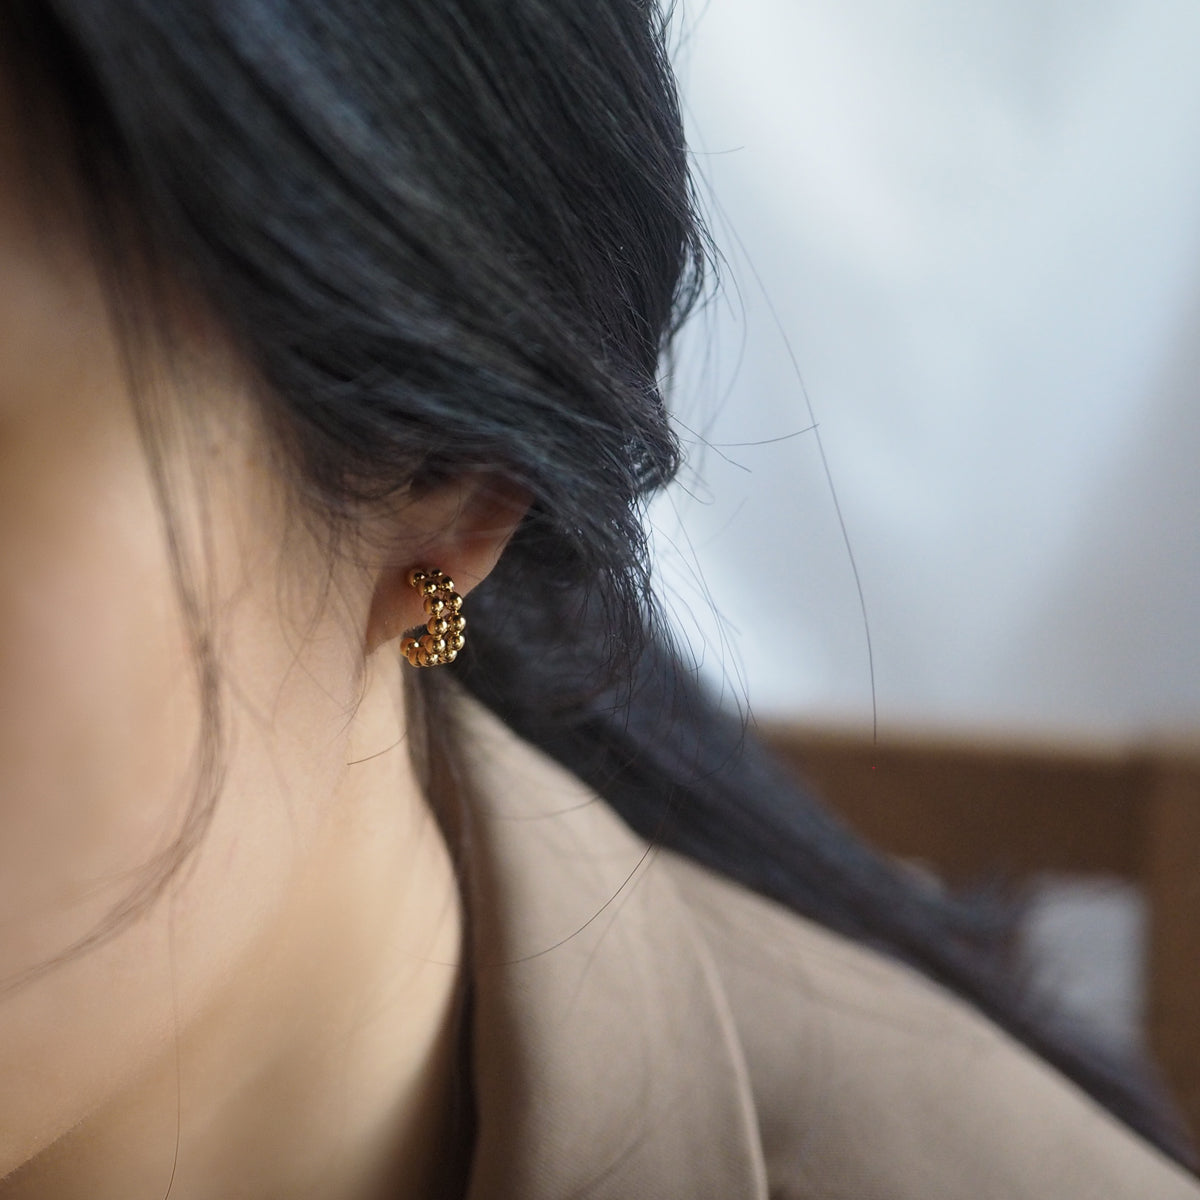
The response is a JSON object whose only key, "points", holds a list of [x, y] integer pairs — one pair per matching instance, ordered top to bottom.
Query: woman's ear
{"points": [[458, 526]]}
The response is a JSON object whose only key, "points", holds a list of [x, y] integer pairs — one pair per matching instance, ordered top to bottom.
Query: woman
{"points": [[318, 319]]}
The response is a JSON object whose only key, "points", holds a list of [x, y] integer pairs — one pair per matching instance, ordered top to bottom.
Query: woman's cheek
{"points": [[98, 702]]}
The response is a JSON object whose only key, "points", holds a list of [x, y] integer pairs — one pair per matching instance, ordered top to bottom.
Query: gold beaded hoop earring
{"points": [[443, 636]]}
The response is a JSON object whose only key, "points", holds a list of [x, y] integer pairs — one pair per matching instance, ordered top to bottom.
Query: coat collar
{"points": [[605, 1059]]}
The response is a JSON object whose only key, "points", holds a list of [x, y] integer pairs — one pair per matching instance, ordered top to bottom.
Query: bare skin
{"points": [[281, 1020]]}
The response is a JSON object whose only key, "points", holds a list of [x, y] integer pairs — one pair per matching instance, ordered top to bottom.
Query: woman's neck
{"points": [[324, 1065]]}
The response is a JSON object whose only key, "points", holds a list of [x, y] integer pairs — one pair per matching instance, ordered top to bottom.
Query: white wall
{"points": [[978, 223]]}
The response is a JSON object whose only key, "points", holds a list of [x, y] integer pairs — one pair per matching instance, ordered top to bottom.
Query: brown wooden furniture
{"points": [[970, 809]]}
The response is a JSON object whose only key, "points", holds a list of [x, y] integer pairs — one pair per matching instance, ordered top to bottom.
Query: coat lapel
{"points": [[606, 1064]]}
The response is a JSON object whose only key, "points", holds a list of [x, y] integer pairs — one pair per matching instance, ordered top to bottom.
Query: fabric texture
{"points": [[645, 1029]]}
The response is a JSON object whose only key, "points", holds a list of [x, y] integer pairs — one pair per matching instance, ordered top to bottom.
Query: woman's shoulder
{"points": [[706, 1042], [870, 1080]]}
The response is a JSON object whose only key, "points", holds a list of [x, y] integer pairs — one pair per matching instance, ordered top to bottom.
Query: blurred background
{"points": [[963, 242]]}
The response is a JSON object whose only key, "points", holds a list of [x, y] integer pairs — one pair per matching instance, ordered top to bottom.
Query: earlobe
{"points": [[455, 534]]}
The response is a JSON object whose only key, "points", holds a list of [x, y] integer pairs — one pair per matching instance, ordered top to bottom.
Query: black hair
{"points": [[459, 234]]}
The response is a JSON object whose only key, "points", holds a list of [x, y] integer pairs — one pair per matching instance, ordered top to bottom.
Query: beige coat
{"points": [[644, 1030]]}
